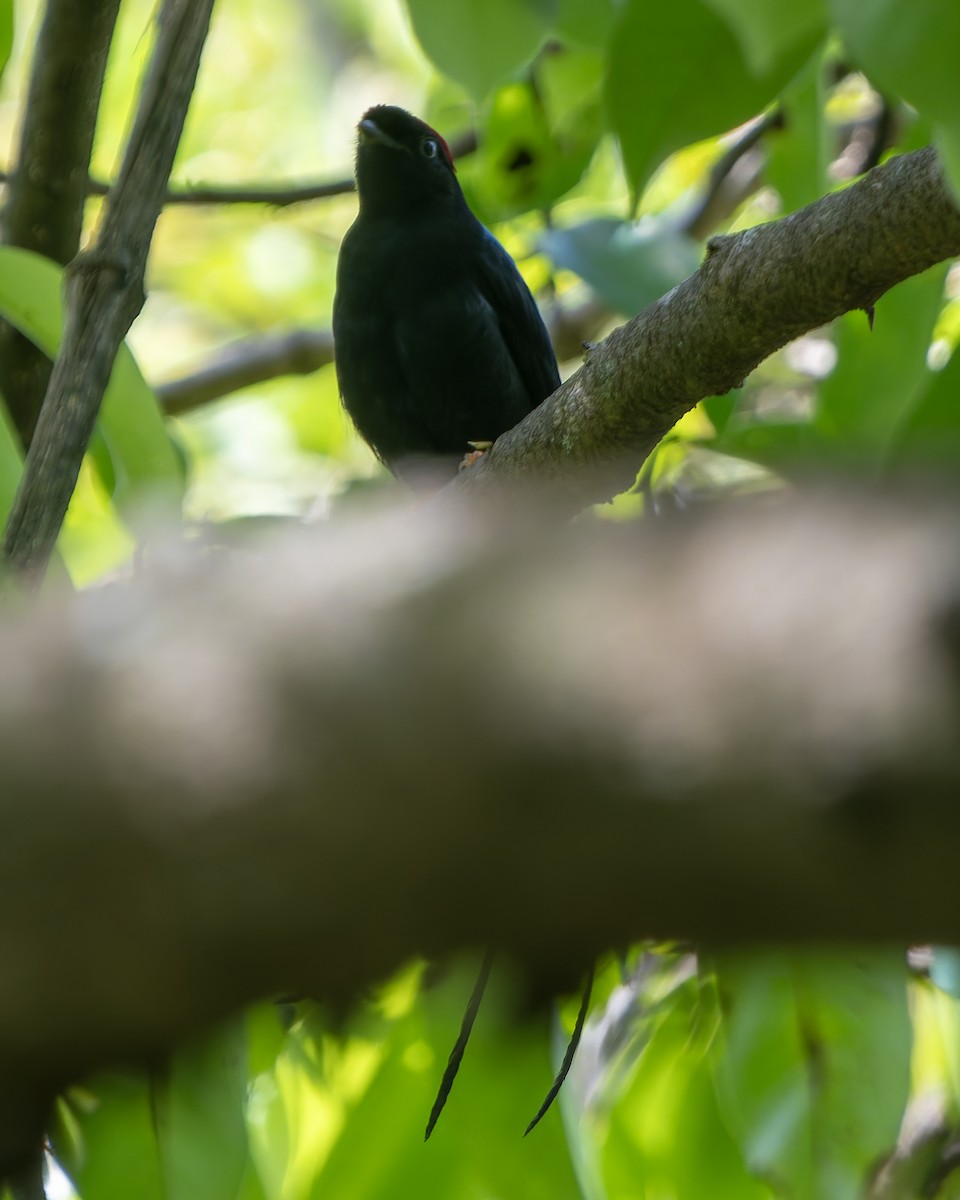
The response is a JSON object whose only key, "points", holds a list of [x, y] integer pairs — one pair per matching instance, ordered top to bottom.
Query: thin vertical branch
{"points": [[47, 192], [105, 290]]}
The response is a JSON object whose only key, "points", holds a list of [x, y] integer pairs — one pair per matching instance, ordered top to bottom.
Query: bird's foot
{"points": [[478, 451]]}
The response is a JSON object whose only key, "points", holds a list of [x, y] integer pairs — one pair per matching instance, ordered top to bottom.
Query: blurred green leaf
{"points": [[585, 22], [6, 32], [769, 32], [479, 43], [911, 51], [659, 57], [947, 140], [799, 154], [531, 155], [629, 265], [879, 372], [930, 434], [786, 447], [143, 460], [11, 465], [813, 1069], [199, 1103], [664, 1135], [117, 1156]]}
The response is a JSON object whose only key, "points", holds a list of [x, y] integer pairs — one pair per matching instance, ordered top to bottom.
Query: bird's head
{"points": [[402, 162]]}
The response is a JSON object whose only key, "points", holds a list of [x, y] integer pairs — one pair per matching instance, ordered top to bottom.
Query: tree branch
{"points": [[46, 194], [276, 195], [105, 290], [756, 291], [253, 360], [246, 362], [414, 733]]}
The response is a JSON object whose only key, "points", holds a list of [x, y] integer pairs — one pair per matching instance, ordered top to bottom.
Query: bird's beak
{"points": [[370, 131]]}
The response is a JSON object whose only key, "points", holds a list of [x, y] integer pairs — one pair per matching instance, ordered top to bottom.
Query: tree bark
{"points": [[756, 291], [298, 766]]}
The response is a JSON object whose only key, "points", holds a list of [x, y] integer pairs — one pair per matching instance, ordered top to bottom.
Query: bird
{"points": [[439, 345], [439, 348]]}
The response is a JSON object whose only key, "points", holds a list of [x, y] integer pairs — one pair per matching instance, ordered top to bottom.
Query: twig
{"points": [[728, 186], [277, 195], [105, 290]]}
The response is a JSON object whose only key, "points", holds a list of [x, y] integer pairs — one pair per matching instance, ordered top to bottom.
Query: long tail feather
{"points": [[456, 1054], [567, 1057]]}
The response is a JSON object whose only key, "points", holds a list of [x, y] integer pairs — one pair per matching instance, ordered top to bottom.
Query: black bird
{"points": [[438, 342], [439, 346]]}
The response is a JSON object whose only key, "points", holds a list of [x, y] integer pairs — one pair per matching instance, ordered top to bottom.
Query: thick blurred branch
{"points": [[46, 193], [105, 289], [756, 291], [416, 734]]}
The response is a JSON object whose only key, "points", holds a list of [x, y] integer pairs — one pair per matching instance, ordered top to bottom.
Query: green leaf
{"points": [[585, 22], [6, 32], [767, 32], [479, 43], [911, 51], [660, 57], [947, 141], [531, 154], [799, 154], [629, 265], [879, 373], [930, 434], [782, 446], [11, 465], [145, 465], [813, 1068], [669, 1107], [199, 1110], [116, 1156]]}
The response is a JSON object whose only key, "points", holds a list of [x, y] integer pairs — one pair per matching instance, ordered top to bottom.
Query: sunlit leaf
{"points": [[531, 156], [669, 1107]]}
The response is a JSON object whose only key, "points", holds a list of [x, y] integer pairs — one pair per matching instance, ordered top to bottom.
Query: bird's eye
{"points": [[428, 147]]}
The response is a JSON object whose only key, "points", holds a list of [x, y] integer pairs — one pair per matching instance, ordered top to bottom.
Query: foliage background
{"points": [[601, 125]]}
